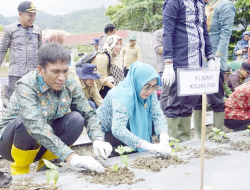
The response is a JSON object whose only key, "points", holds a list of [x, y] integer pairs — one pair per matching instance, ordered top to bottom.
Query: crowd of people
{"points": [[112, 93]]}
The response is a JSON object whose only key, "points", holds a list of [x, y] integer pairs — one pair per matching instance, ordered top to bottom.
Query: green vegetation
{"points": [[137, 15], [77, 22], [83, 48], [248, 129], [218, 136], [176, 147], [124, 158], [51, 174]]}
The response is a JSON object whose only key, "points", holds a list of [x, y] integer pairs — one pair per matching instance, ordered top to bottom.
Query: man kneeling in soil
{"points": [[46, 115]]}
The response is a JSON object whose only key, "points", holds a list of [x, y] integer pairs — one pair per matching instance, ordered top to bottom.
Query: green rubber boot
{"points": [[218, 120], [197, 123], [173, 127], [184, 128]]}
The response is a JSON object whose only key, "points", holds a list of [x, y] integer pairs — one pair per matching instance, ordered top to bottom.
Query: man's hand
{"points": [[217, 63], [211, 64], [168, 76], [102, 149], [156, 149], [87, 162]]}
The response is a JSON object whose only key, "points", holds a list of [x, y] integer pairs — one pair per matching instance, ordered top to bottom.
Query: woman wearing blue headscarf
{"points": [[241, 48], [131, 112]]}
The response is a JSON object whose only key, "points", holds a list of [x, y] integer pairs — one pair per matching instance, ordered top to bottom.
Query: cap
{"points": [[27, 6], [132, 38], [95, 41], [246, 66], [88, 71], [228, 71]]}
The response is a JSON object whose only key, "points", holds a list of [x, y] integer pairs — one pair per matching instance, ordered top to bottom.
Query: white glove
{"points": [[217, 63], [211, 64], [168, 76], [164, 139], [102, 149], [156, 149], [87, 162]]}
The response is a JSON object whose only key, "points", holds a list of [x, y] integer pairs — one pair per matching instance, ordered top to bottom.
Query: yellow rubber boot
{"points": [[48, 156], [22, 160]]}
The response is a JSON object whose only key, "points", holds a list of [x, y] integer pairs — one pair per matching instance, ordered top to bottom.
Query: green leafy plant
{"points": [[248, 129], [218, 136], [176, 147], [124, 158], [52, 173]]}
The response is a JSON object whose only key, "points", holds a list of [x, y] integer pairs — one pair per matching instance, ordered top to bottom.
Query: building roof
{"points": [[72, 40]]}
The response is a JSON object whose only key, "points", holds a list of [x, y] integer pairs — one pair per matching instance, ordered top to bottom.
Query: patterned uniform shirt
{"points": [[23, 44], [38, 106]]}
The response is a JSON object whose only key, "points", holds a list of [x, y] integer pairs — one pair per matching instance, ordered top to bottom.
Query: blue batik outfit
{"points": [[130, 118]]}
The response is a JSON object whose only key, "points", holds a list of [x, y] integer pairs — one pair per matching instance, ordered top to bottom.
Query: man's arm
{"points": [[170, 13], [226, 19], [40, 39], [157, 42], [4, 44], [208, 46]]}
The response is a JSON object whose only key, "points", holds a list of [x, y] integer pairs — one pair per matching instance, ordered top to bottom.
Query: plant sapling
{"points": [[124, 158], [51, 174]]}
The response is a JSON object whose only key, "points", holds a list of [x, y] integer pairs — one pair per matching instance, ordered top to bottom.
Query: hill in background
{"points": [[77, 22]]}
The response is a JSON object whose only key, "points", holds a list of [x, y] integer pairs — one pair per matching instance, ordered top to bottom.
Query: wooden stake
{"points": [[3, 100], [203, 134]]}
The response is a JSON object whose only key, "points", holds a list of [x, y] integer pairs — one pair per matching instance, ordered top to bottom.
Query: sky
{"points": [[54, 7]]}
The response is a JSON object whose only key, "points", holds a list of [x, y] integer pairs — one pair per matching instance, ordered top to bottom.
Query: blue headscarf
{"points": [[241, 45], [128, 93]]}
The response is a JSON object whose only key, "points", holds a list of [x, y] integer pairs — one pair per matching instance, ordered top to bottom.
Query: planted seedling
{"points": [[248, 129], [218, 136], [174, 144], [124, 158], [52, 173]]}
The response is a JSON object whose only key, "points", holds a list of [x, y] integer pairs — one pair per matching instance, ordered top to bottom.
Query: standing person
{"points": [[220, 18], [109, 30], [23, 39], [96, 43], [185, 45], [158, 47], [240, 52], [130, 53], [109, 65], [86, 76], [131, 112], [46, 115]]}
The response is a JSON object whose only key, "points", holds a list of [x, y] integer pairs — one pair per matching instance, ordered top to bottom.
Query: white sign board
{"points": [[4, 81], [197, 82]]}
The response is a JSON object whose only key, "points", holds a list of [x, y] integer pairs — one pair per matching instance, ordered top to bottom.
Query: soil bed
{"points": [[239, 146], [209, 152], [155, 163], [122, 176], [28, 184]]}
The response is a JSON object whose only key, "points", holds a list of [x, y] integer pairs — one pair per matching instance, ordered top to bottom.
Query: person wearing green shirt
{"points": [[46, 115]]}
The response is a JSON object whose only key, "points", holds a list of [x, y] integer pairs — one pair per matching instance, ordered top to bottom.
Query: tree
{"points": [[137, 15], [242, 15], [1, 28]]}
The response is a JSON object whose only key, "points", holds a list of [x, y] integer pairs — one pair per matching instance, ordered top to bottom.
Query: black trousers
{"points": [[126, 71], [104, 91], [164, 95], [215, 100], [179, 106], [237, 125], [67, 128]]}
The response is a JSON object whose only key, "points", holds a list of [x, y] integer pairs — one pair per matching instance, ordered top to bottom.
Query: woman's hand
{"points": [[164, 151]]}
